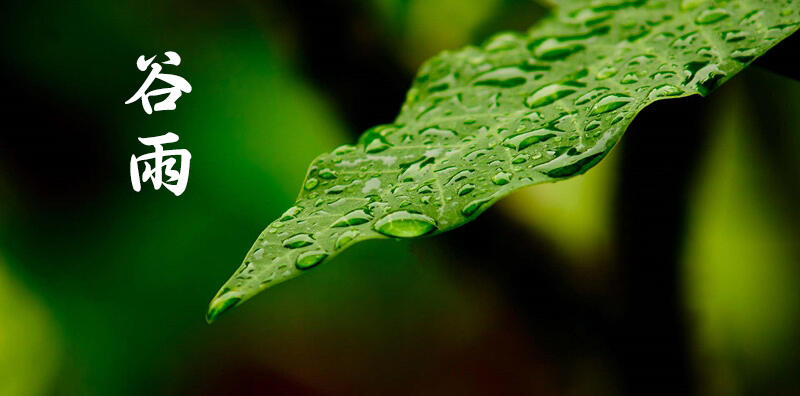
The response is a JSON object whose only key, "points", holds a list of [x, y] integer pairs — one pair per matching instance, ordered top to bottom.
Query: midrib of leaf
{"points": [[451, 115]]}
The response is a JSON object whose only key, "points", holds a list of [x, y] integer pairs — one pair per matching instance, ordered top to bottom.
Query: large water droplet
{"points": [[687, 5], [711, 15], [589, 16], [733, 36], [503, 42], [553, 49], [744, 55], [605, 73], [704, 76], [505, 77], [630, 78], [663, 91], [549, 94], [589, 96], [609, 103], [592, 125], [438, 133], [374, 139], [523, 140], [376, 146], [343, 149], [472, 156], [576, 168], [416, 169], [327, 174], [460, 176], [501, 178], [311, 183], [466, 189], [473, 206], [291, 213], [355, 217], [404, 224], [346, 238], [298, 241], [310, 259]]}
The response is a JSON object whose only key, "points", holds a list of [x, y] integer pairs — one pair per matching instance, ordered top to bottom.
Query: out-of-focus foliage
{"points": [[423, 28], [574, 215], [741, 260], [29, 341]]}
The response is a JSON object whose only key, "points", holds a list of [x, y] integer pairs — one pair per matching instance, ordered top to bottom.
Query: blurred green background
{"points": [[103, 291]]}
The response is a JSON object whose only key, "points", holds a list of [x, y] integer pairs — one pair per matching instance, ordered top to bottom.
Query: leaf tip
{"points": [[220, 305]]}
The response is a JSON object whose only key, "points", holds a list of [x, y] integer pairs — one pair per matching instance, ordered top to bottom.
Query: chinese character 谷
{"points": [[178, 85], [160, 163]]}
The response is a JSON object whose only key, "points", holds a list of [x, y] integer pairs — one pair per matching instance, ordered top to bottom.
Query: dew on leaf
{"points": [[688, 5], [711, 15], [733, 36], [503, 42], [554, 49], [743, 55], [605, 73], [505, 77], [630, 78], [664, 91], [549, 94], [589, 96], [609, 103], [592, 125], [439, 133], [524, 140], [376, 146], [519, 159], [576, 168], [415, 169], [327, 174], [460, 176], [501, 178], [311, 183], [466, 189], [473, 206], [291, 213], [355, 217], [405, 224], [346, 238], [298, 241], [310, 259]]}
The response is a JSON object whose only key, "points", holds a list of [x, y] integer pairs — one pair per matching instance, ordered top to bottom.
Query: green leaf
{"points": [[521, 109]]}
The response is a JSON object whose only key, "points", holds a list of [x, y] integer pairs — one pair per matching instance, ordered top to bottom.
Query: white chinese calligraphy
{"points": [[178, 85], [160, 163]]}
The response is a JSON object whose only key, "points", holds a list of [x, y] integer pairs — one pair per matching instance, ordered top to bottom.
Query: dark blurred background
{"points": [[670, 268]]}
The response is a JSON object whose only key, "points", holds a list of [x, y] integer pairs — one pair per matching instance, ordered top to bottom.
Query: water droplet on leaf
{"points": [[711, 15], [549, 94], [609, 103], [523, 140], [501, 178], [311, 183], [355, 217], [405, 224], [346, 238], [298, 241], [310, 259]]}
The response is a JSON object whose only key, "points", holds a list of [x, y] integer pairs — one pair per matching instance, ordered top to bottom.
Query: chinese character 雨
{"points": [[178, 85], [160, 163]]}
